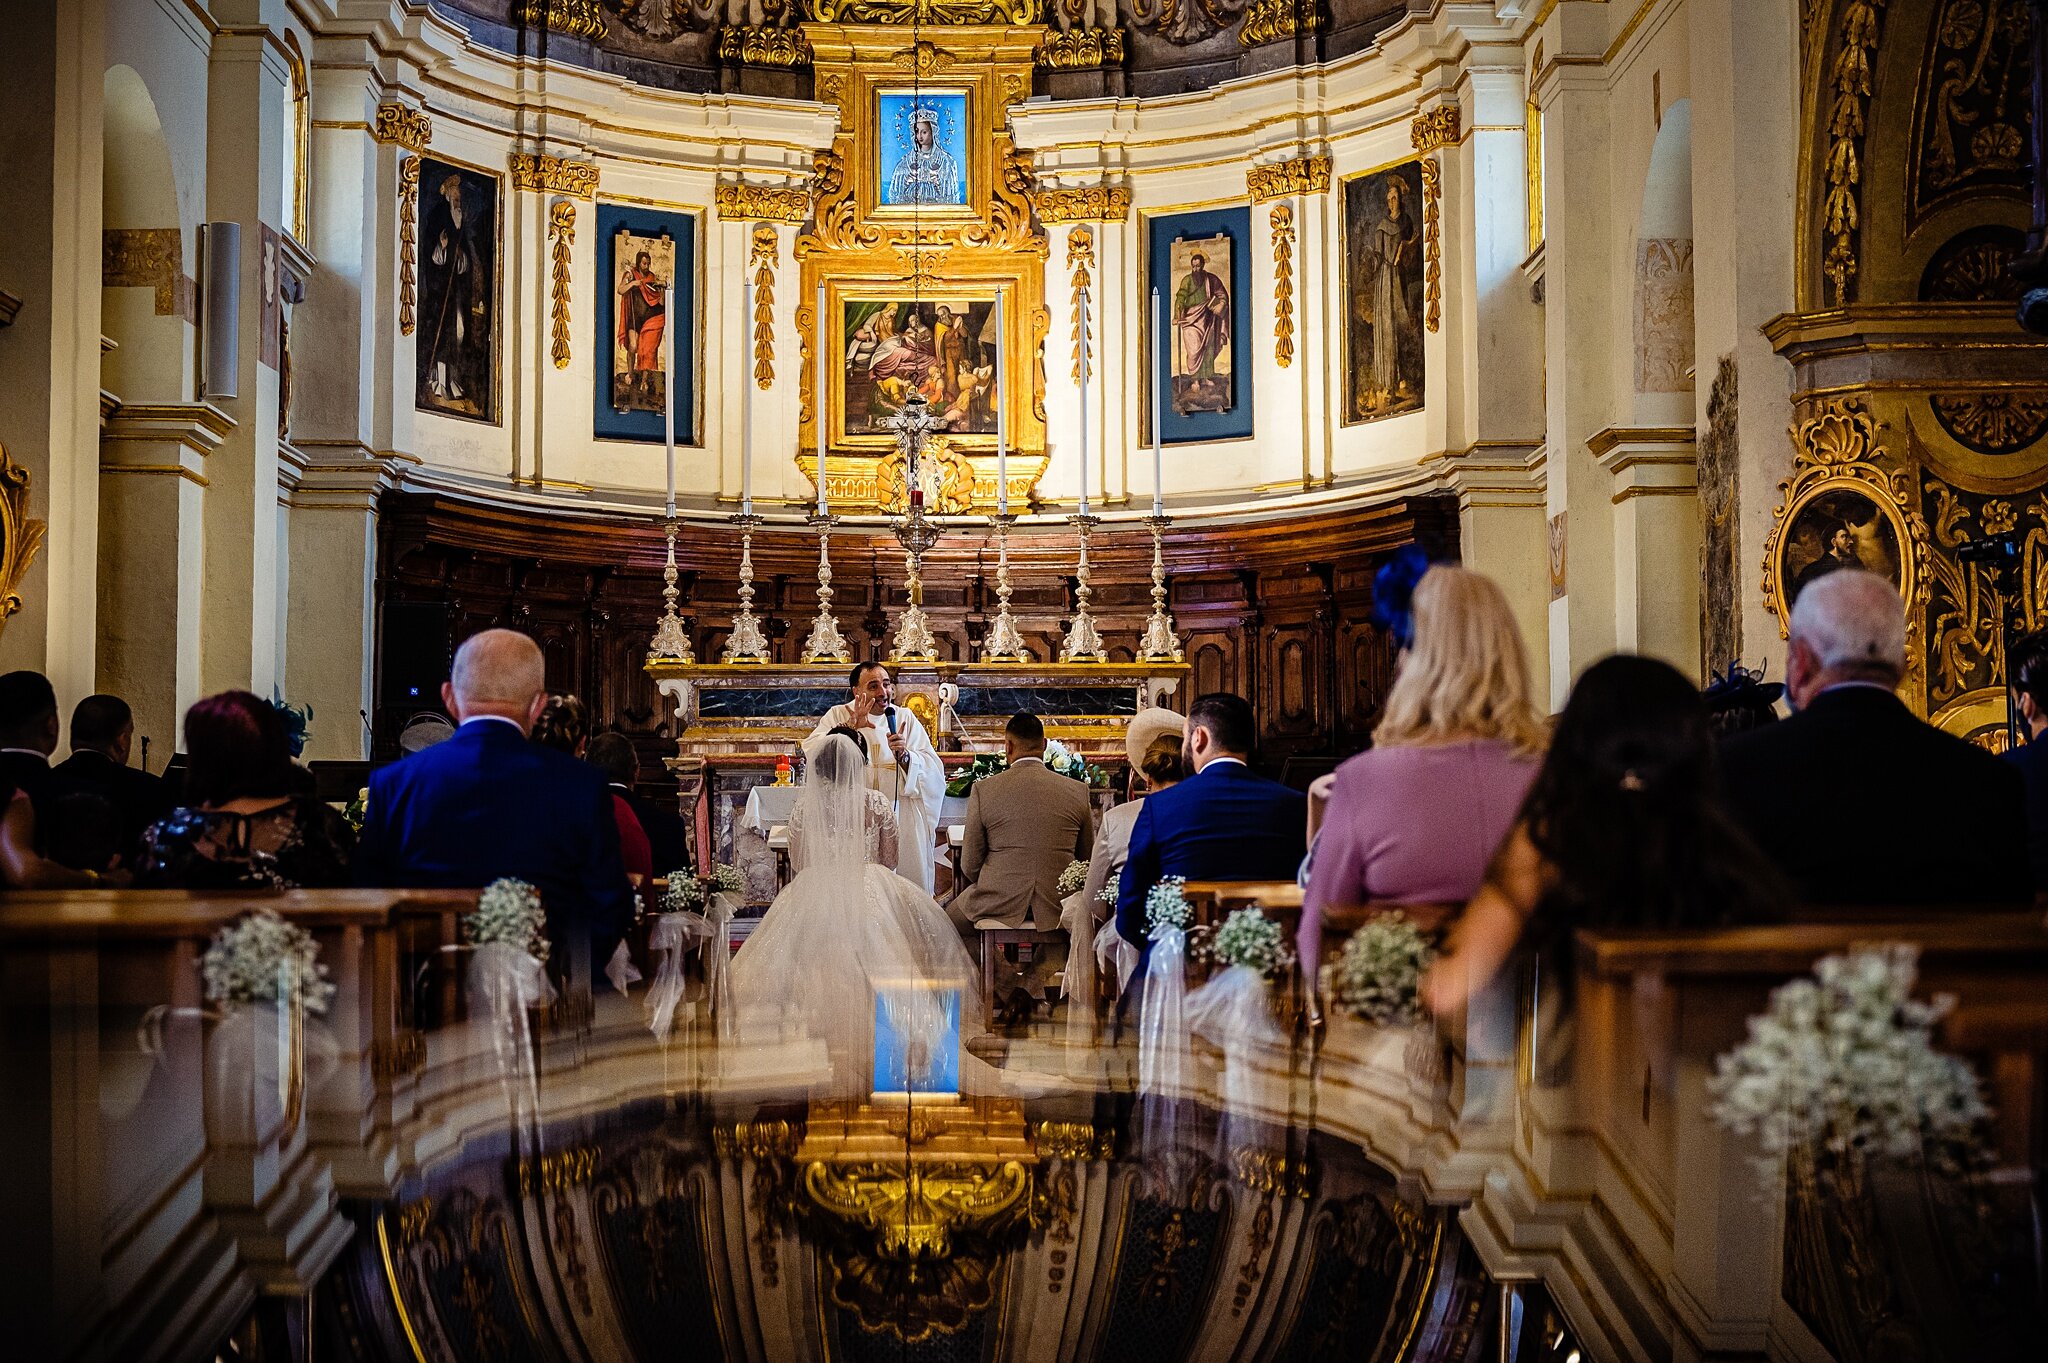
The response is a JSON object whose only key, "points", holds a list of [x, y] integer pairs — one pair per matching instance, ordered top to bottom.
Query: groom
{"points": [[902, 764]]}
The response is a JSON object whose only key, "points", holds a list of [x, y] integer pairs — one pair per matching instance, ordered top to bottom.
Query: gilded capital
{"points": [[577, 18], [1272, 21], [749, 45], [1081, 49], [408, 128], [1437, 128], [553, 174], [1302, 175], [764, 203], [1085, 203]]}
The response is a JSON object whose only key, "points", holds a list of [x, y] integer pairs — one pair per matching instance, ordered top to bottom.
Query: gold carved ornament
{"points": [[913, 12], [576, 18], [1272, 21], [750, 45], [1081, 49], [1848, 88], [399, 125], [1437, 128], [553, 174], [1282, 179], [762, 203], [1086, 203], [1282, 219], [1009, 226], [562, 227], [1432, 245], [408, 249], [761, 255], [1080, 259], [1996, 422], [954, 495], [20, 537], [1966, 606]]}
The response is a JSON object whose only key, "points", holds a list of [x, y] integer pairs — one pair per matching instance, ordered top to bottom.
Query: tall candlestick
{"points": [[1082, 302], [818, 389], [668, 391], [1158, 401], [746, 406], [1002, 431]]}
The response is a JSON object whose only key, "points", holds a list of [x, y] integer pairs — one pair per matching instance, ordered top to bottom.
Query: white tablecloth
{"points": [[767, 806]]}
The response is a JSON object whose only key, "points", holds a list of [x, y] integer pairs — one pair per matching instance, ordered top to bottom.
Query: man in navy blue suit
{"points": [[487, 803], [1223, 823]]}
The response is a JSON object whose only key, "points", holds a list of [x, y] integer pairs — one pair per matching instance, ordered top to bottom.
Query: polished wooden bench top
{"points": [[1277, 894], [31, 916], [2015, 940]]}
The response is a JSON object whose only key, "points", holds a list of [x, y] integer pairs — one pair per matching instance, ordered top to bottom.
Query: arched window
{"points": [[298, 136]]}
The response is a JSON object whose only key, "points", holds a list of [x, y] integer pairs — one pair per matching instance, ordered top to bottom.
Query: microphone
{"points": [[891, 710]]}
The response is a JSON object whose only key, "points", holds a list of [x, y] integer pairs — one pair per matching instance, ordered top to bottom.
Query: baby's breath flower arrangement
{"points": [[1073, 879], [688, 892], [1107, 894], [1166, 906], [508, 913], [1249, 938], [259, 957], [1375, 976], [1844, 1062]]}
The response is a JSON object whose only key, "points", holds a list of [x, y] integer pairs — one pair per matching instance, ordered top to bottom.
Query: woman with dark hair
{"points": [[564, 725], [242, 827], [1623, 827]]}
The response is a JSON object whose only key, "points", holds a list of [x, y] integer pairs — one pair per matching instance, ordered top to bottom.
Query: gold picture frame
{"points": [[959, 132]]}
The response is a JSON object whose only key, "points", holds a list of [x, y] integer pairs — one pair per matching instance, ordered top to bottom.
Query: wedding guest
{"points": [[2026, 662], [1740, 700], [563, 724], [28, 735], [102, 741], [1157, 768], [1855, 798], [487, 804], [1415, 818], [1223, 823], [242, 828], [1621, 828], [668, 837], [22, 867]]}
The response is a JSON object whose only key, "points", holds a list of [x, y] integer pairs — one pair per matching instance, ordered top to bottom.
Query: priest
{"points": [[902, 764]]}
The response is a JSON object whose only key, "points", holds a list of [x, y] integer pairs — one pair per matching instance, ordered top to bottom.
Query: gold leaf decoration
{"points": [[909, 12], [577, 18], [1272, 21], [749, 45], [1081, 49], [1848, 84], [408, 128], [1437, 128], [553, 174], [1282, 179], [765, 203], [1087, 203], [1009, 219], [1282, 219], [562, 227], [1432, 244], [408, 250], [761, 256], [1080, 262], [1994, 422], [20, 537]]}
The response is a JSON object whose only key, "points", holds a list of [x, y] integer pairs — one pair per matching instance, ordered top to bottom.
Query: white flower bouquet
{"points": [[1064, 760], [1073, 879], [688, 891], [1107, 894], [1166, 906], [509, 913], [1249, 938], [260, 958], [1375, 977], [1845, 1062]]}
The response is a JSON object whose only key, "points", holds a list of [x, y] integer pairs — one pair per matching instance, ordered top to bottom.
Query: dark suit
{"points": [[2031, 761], [29, 772], [138, 798], [1861, 803], [486, 804], [1223, 823]]}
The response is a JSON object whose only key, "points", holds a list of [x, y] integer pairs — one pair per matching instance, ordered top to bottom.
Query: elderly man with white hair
{"points": [[1858, 800], [486, 803]]}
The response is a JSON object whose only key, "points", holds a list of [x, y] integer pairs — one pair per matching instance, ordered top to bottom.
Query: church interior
{"points": [[725, 348]]}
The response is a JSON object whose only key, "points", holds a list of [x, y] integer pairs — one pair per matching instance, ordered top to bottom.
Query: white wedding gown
{"points": [[847, 923]]}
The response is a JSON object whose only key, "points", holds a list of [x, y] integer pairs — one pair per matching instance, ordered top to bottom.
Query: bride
{"points": [[847, 921]]}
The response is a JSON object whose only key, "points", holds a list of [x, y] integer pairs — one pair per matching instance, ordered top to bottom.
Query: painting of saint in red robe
{"points": [[639, 376]]}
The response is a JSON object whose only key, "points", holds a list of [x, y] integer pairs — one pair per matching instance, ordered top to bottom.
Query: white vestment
{"points": [[916, 791]]}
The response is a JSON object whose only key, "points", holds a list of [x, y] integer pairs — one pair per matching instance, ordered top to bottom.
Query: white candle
{"points": [[1083, 318], [818, 389], [668, 390], [746, 399], [1002, 434], [1158, 466]]}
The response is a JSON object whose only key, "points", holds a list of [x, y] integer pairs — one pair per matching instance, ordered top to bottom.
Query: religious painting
{"points": [[922, 149], [640, 251], [1198, 265], [646, 271], [1383, 286], [1200, 319], [457, 340], [944, 348], [1840, 527]]}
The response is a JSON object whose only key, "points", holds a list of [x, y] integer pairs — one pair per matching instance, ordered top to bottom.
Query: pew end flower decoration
{"points": [[1073, 879], [689, 892], [1166, 907], [509, 913], [1250, 939], [260, 958], [1378, 973], [1843, 1063]]}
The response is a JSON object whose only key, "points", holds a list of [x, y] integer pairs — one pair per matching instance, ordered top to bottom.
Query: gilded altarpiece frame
{"points": [[860, 249]]}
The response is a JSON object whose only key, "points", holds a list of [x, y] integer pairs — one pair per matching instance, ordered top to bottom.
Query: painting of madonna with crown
{"points": [[922, 146]]}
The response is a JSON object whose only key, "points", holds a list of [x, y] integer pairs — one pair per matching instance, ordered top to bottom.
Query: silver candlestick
{"points": [[914, 641], [671, 642], [746, 644], [826, 644], [1004, 644], [1083, 644], [1161, 644]]}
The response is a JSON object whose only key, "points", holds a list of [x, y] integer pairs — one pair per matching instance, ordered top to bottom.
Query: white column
{"points": [[1655, 494]]}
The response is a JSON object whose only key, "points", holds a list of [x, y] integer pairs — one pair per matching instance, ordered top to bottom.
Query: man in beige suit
{"points": [[1024, 825]]}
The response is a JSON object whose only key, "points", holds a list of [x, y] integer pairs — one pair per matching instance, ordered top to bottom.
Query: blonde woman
{"points": [[1416, 818]]}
